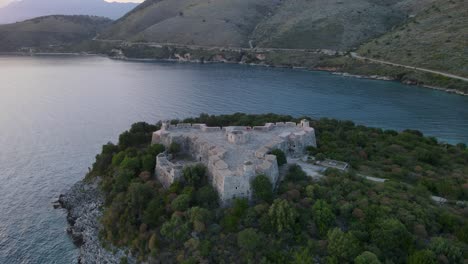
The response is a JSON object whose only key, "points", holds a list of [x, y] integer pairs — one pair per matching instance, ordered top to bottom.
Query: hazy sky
{"points": [[4, 2]]}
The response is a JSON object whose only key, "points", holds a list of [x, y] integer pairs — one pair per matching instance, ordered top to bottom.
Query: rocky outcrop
{"points": [[84, 204]]}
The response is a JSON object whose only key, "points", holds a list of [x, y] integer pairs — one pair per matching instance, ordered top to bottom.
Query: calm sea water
{"points": [[56, 112]]}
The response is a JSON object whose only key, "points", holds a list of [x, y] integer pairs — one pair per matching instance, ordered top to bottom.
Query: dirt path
{"points": [[356, 56]]}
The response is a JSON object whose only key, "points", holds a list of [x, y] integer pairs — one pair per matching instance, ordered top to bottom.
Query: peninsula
{"points": [[275, 189]]}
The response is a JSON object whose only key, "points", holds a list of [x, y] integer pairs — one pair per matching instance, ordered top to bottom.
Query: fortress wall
{"points": [[184, 125], [210, 129], [238, 137], [155, 138], [269, 167], [167, 172], [231, 184], [235, 186]]}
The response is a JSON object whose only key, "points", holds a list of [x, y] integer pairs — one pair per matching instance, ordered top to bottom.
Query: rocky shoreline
{"points": [[83, 203]]}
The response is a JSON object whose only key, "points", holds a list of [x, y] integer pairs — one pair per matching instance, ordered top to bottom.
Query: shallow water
{"points": [[56, 112]]}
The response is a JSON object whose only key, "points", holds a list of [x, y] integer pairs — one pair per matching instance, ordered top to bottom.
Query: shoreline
{"points": [[179, 60], [344, 74], [387, 78], [83, 203]]}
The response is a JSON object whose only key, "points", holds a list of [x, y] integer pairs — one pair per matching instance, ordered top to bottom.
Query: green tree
{"points": [[174, 148], [155, 149], [280, 157], [320, 157], [118, 158], [104, 160], [148, 162], [130, 163], [295, 173], [195, 175], [122, 181], [262, 188], [310, 191], [139, 196], [207, 197], [181, 203], [153, 212], [198, 214], [282, 215], [323, 216], [230, 222], [176, 229], [462, 233], [391, 236], [249, 239], [153, 243], [343, 246], [448, 248], [303, 255], [367, 257], [423, 257]]}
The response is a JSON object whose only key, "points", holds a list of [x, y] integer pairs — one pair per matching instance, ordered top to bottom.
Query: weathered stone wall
{"points": [[166, 171], [232, 180]]}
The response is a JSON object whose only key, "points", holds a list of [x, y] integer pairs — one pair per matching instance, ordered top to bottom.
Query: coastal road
{"points": [[225, 48], [257, 49], [356, 56]]}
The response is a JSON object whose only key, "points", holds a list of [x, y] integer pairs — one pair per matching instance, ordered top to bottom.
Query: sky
{"points": [[5, 2]]}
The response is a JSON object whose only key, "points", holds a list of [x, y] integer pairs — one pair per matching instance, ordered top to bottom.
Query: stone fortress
{"points": [[233, 155]]}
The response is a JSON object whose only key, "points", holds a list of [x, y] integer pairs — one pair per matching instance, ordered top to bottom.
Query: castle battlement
{"points": [[233, 155]]}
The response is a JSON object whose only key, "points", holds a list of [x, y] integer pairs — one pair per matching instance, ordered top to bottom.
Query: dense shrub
{"points": [[174, 148], [280, 157], [195, 175], [262, 188], [181, 203], [340, 218]]}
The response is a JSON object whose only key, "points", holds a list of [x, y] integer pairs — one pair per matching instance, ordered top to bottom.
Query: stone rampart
{"points": [[233, 155], [166, 171]]}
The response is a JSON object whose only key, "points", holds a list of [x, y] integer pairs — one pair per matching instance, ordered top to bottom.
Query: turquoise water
{"points": [[56, 112]]}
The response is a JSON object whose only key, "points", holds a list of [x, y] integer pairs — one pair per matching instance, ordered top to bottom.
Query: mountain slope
{"points": [[27, 9], [201, 22], [331, 24], [50, 31], [435, 39]]}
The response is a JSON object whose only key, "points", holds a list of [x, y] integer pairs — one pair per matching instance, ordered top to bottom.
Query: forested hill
{"points": [[328, 24], [48, 31], [340, 218]]}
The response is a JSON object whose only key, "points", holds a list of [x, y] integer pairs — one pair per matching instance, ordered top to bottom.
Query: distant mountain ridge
{"points": [[26, 9], [329, 24], [57, 31]]}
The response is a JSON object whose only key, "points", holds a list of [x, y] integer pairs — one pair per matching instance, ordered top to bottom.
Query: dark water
{"points": [[56, 112]]}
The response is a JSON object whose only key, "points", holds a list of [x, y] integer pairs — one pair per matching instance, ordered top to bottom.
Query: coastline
{"points": [[181, 59], [334, 72], [387, 78], [83, 202]]}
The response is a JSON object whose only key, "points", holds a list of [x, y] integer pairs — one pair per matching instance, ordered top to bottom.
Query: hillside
{"points": [[27, 9], [326, 24], [50, 31], [435, 39], [338, 217]]}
